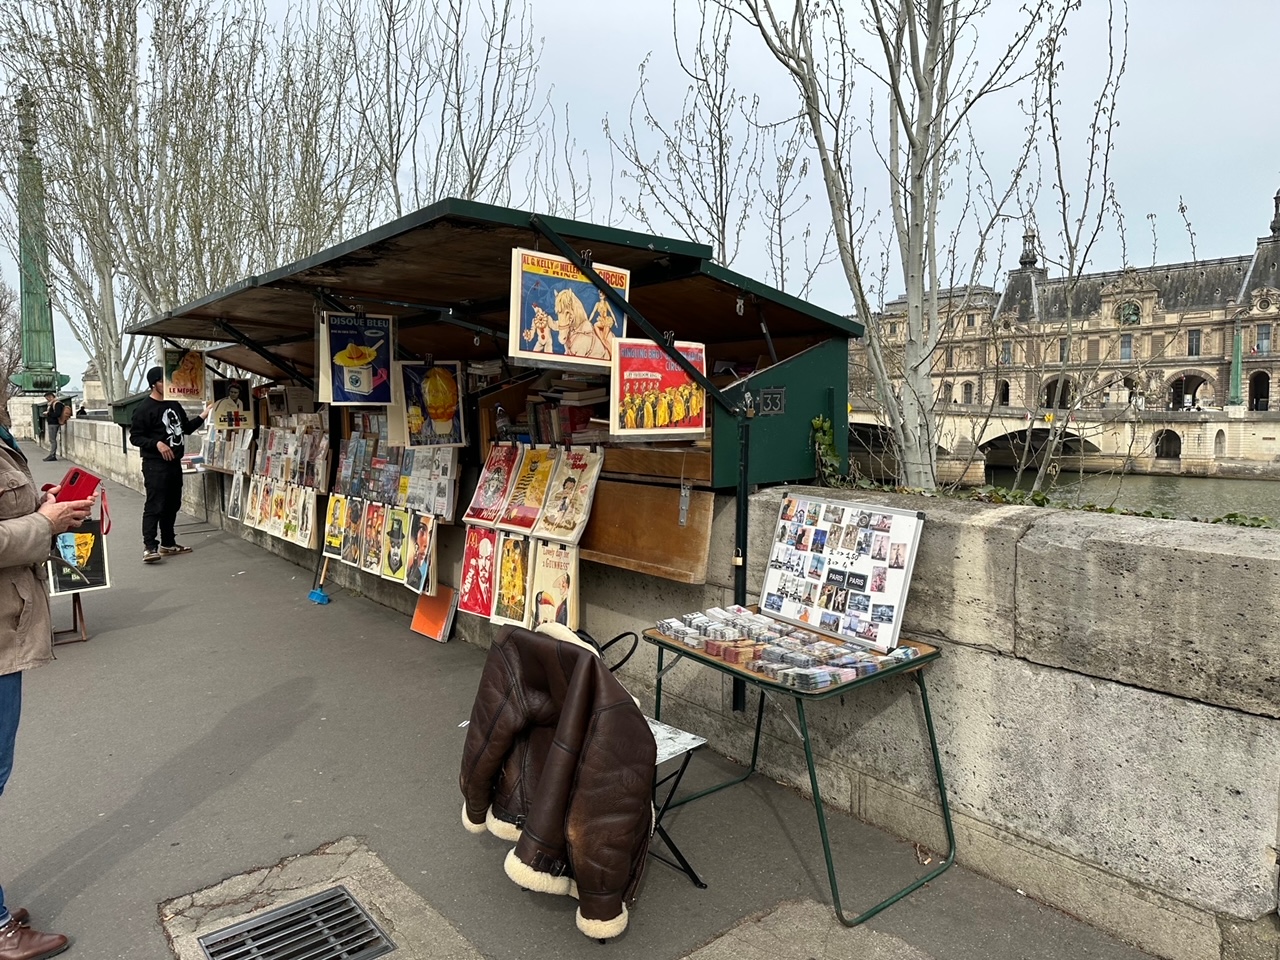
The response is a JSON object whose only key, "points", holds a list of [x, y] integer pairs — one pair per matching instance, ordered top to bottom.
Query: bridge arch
{"points": [[1168, 445]]}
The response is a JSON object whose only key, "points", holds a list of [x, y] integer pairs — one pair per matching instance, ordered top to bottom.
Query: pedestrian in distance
{"points": [[53, 418], [159, 430], [29, 520]]}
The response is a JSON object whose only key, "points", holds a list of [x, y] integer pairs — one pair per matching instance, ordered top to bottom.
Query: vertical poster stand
{"points": [[77, 624]]}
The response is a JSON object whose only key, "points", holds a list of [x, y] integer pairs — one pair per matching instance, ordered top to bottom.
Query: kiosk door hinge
{"points": [[685, 488]]}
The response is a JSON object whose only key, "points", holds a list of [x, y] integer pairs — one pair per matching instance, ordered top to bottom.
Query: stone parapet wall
{"points": [[1106, 702]]}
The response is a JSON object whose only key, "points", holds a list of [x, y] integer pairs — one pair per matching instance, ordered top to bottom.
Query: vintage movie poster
{"points": [[558, 315], [355, 361], [183, 374], [650, 395], [432, 403], [232, 405], [494, 485], [573, 485], [529, 491], [293, 499], [235, 500], [279, 500], [249, 515], [375, 515], [306, 519], [335, 524], [351, 534], [395, 544], [83, 560], [842, 569], [420, 570], [553, 588], [476, 590], [511, 594]]}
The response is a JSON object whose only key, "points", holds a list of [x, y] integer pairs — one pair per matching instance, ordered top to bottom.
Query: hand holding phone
{"points": [[78, 484]]}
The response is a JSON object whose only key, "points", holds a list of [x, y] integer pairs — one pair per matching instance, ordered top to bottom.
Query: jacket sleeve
{"points": [[190, 424], [140, 432], [25, 540], [497, 716]]}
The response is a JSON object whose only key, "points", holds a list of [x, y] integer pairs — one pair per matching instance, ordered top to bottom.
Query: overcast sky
{"points": [[1196, 115]]}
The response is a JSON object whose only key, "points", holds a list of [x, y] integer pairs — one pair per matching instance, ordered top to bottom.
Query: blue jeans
{"points": [[10, 711]]}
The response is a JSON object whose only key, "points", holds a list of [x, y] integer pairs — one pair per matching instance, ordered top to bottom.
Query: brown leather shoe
{"points": [[21, 915], [22, 943]]}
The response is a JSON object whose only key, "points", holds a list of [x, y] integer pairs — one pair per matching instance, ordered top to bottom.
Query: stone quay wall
{"points": [[1107, 702]]}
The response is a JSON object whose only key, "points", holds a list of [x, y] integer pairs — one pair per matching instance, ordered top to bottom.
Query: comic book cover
{"points": [[558, 315], [355, 361], [183, 374], [650, 395], [432, 403], [494, 485], [529, 492], [235, 501], [568, 506], [375, 515], [335, 523], [351, 534], [395, 536], [83, 560], [420, 571], [553, 588], [476, 591], [511, 596]]}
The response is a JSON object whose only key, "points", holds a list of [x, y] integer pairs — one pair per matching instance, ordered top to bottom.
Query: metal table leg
{"points": [[755, 753], [822, 817]]}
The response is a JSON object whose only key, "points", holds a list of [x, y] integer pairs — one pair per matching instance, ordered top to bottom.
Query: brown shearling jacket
{"points": [[557, 749]]}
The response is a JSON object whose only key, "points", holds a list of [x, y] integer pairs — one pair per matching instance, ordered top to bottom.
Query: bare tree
{"points": [[925, 61], [698, 177], [10, 344]]}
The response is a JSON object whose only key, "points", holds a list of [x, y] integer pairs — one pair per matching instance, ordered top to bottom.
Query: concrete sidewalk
{"points": [[218, 721]]}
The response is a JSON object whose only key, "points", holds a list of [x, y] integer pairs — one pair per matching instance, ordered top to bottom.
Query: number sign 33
{"points": [[773, 401]]}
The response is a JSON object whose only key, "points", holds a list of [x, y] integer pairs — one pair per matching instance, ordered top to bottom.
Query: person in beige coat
{"points": [[29, 520]]}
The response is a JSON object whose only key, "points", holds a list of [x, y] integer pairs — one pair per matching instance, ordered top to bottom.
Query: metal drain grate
{"points": [[328, 926]]}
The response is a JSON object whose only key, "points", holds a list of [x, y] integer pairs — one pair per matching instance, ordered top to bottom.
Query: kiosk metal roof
{"points": [[444, 272]]}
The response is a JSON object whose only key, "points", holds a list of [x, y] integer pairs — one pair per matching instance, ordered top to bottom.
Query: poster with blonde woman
{"points": [[558, 315], [183, 374]]}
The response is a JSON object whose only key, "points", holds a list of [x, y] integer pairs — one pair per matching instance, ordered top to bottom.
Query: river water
{"points": [[1203, 497]]}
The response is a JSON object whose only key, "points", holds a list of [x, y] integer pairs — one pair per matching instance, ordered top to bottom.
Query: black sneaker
{"points": [[47, 459], [173, 550], [151, 555]]}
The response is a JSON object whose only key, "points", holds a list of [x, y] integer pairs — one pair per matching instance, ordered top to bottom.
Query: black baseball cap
{"points": [[154, 376]]}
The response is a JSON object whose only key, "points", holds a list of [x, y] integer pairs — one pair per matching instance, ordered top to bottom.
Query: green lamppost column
{"points": [[39, 366]]}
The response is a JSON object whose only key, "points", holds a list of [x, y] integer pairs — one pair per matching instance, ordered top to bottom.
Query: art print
{"points": [[558, 315], [356, 359], [183, 374], [651, 395], [431, 397], [232, 405], [494, 485], [573, 486], [529, 490], [235, 501], [375, 515], [249, 516], [307, 519], [335, 525], [351, 534], [395, 544], [82, 560], [478, 563], [420, 569], [842, 569], [553, 588], [511, 593]]}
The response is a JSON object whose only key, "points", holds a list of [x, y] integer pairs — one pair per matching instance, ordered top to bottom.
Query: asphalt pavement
{"points": [[218, 721]]}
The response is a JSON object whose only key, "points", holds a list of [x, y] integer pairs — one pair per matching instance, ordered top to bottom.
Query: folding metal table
{"points": [[914, 667]]}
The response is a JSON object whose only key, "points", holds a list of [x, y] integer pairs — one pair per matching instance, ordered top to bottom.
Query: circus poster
{"points": [[558, 315], [650, 395]]}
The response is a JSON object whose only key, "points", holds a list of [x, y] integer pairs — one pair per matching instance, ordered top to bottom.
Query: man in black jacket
{"points": [[52, 415], [158, 430]]}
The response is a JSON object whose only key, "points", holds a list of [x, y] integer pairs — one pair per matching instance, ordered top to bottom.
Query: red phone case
{"points": [[78, 484]]}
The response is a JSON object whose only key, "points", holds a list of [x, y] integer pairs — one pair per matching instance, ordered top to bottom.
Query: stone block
{"points": [[1185, 608]]}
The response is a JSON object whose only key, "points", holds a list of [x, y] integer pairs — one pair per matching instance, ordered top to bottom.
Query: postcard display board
{"points": [[841, 569]]}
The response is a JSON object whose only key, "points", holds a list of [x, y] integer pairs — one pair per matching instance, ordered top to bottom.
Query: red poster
{"points": [[650, 395], [494, 485], [475, 595]]}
